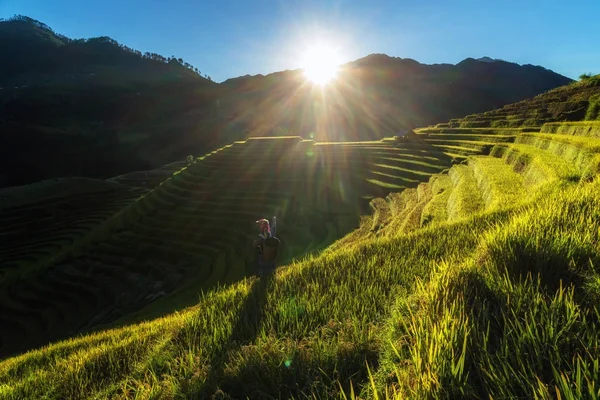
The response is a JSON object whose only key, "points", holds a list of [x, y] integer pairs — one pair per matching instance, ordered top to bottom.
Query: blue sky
{"points": [[228, 38]]}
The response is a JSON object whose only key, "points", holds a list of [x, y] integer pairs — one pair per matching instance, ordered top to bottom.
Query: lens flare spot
{"points": [[288, 363]]}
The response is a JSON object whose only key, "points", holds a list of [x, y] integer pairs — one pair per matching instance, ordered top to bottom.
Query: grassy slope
{"points": [[574, 102], [154, 256], [501, 303]]}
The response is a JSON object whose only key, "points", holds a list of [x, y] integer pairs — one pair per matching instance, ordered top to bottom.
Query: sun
{"points": [[321, 64]]}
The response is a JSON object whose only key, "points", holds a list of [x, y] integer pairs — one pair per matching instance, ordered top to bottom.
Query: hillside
{"points": [[574, 102], [97, 108], [191, 231], [472, 272]]}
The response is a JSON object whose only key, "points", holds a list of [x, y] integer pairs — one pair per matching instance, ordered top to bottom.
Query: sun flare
{"points": [[321, 64]]}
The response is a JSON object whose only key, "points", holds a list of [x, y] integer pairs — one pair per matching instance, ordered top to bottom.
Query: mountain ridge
{"points": [[383, 56], [102, 109]]}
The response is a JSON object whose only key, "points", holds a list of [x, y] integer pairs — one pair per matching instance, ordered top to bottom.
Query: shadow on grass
{"points": [[244, 331]]}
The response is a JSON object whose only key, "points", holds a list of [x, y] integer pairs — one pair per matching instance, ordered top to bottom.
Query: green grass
{"points": [[569, 103], [593, 111], [577, 128], [471, 131], [470, 137], [587, 143], [463, 150], [580, 152], [537, 165], [385, 184], [499, 185], [465, 199], [435, 212], [382, 214], [193, 233], [481, 283], [517, 319], [315, 326], [292, 335]]}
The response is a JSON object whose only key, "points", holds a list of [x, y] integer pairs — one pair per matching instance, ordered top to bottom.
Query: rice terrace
{"points": [[455, 259]]}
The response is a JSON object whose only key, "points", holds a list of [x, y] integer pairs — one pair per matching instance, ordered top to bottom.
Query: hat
{"points": [[264, 224]]}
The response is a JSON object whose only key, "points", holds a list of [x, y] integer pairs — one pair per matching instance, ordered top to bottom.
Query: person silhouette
{"points": [[266, 245]]}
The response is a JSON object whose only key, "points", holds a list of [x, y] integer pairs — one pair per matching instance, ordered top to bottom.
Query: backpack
{"points": [[270, 248]]}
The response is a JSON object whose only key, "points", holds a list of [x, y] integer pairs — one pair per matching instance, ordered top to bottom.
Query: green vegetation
{"points": [[585, 77], [574, 102], [593, 111], [577, 128], [497, 182], [465, 199], [436, 210], [43, 221], [191, 231], [457, 262], [480, 282], [517, 319]]}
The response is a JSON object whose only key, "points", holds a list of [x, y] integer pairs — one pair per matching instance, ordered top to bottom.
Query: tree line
{"points": [[105, 39]]}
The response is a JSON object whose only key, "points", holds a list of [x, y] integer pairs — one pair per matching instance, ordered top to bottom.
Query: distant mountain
{"points": [[378, 95], [97, 108]]}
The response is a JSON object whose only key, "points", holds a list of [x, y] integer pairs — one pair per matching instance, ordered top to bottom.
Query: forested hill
{"points": [[51, 52], [94, 107], [97, 108]]}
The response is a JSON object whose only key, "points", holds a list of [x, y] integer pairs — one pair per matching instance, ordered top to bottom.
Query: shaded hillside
{"points": [[379, 95], [94, 107], [191, 232]]}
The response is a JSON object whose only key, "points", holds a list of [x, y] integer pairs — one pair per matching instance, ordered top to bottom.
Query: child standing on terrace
{"points": [[266, 245]]}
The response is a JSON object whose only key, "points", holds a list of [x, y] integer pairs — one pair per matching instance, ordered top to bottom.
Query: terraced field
{"points": [[563, 104], [522, 162], [518, 167], [151, 178], [41, 221], [194, 230], [314, 326]]}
